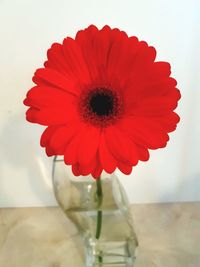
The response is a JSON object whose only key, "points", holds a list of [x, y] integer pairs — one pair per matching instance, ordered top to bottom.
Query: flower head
{"points": [[104, 100]]}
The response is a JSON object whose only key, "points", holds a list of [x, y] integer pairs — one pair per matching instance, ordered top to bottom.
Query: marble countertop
{"points": [[168, 234]]}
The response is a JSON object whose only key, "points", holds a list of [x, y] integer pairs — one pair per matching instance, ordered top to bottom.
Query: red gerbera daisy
{"points": [[104, 100]]}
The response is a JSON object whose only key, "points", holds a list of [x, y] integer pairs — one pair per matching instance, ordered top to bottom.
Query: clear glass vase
{"points": [[100, 211]]}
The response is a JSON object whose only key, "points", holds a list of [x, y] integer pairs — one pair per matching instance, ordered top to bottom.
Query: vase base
{"points": [[110, 254]]}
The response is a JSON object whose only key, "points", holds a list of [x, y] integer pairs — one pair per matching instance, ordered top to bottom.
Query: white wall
{"points": [[27, 29]]}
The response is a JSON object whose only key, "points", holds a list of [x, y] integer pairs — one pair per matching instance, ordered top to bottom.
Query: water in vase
{"points": [[106, 226]]}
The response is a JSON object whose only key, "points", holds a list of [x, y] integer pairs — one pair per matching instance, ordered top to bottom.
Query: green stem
{"points": [[99, 195], [99, 224]]}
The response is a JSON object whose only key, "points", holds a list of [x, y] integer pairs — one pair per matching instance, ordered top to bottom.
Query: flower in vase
{"points": [[105, 101]]}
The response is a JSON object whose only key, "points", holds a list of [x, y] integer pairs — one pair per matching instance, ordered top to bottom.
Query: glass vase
{"points": [[100, 211]]}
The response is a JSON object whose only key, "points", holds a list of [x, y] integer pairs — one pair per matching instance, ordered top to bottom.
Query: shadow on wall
{"points": [[23, 164]]}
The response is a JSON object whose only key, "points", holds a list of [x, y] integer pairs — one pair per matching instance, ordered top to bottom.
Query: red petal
{"points": [[83, 35], [85, 39], [145, 55], [133, 56], [56, 59], [75, 60], [160, 70], [52, 77], [138, 89], [41, 96], [155, 106], [50, 116], [168, 122], [144, 132], [47, 134], [63, 136], [89, 144], [120, 145], [71, 150], [50, 152], [143, 153], [108, 162], [125, 168], [75, 169], [87, 169], [96, 173]]}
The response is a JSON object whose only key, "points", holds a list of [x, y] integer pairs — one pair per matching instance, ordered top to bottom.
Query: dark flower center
{"points": [[101, 103], [100, 106]]}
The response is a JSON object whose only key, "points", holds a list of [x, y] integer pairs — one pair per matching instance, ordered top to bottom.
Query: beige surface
{"points": [[169, 236]]}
